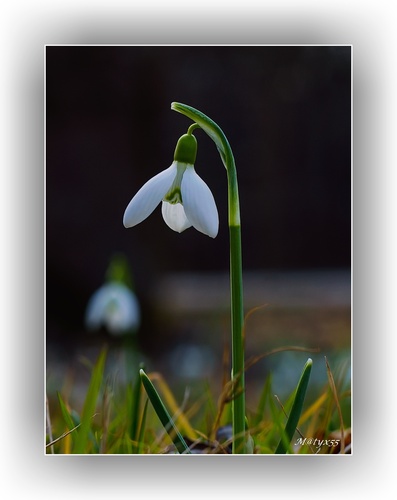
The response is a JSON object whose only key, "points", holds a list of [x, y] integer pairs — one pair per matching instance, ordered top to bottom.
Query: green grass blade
{"points": [[265, 395], [90, 404], [135, 404], [296, 409], [65, 413], [163, 414]]}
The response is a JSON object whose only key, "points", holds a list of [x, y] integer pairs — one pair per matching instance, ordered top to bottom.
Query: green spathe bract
{"points": [[186, 149], [225, 151]]}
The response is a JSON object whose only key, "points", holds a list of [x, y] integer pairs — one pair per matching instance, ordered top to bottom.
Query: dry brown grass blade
{"points": [[250, 313], [253, 360], [224, 398], [178, 413], [62, 436]]}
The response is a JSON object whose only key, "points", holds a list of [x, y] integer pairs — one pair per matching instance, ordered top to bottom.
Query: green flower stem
{"points": [[236, 279], [236, 285]]}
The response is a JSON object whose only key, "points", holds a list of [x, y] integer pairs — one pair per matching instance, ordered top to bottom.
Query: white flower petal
{"points": [[148, 197], [199, 203], [175, 217], [115, 306], [95, 308]]}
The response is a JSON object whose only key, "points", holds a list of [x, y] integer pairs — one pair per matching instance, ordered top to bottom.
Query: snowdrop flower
{"points": [[186, 199], [114, 306]]}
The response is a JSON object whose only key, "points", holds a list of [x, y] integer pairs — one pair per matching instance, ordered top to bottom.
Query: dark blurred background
{"points": [[286, 111]]}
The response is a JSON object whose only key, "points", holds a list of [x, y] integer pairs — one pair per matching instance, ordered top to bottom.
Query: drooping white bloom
{"points": [[186, 199], [115, 307]]}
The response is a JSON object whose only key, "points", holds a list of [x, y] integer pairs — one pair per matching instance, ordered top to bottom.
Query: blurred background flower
{"points": [[114, 305]]}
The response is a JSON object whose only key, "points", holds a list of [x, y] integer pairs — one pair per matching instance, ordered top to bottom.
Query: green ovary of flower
{"points": [[174, 195]]}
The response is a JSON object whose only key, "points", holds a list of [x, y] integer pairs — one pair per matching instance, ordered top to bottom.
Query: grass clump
{"points": [[142, 416]]}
